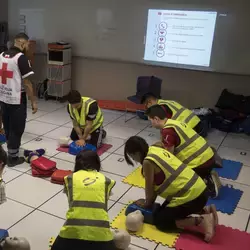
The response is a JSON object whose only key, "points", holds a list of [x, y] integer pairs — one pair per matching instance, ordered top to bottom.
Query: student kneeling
{"points": [[87, 120], [184, 191], [87, 225]]}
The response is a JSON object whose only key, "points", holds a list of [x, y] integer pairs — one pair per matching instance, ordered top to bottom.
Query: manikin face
{"points": [[156, 122], [16, 243]]}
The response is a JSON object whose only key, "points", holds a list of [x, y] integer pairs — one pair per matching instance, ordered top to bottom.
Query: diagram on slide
{"points": [[180, 37]]}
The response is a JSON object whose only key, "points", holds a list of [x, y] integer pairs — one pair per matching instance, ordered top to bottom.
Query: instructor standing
{"points": [[15, 70]]}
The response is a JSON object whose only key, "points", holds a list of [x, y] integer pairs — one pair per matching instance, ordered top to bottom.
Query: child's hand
{"points": [[2, 131]]}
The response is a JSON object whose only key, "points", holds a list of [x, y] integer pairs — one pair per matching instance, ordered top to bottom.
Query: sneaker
{"points": [[104, 134], [15, 161], [213, 184], [212, 191]]}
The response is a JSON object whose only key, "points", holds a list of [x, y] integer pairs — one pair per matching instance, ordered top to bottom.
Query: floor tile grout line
{"points": [[118, 200], [26, 205], [36, 209], [245, 209], [50, 214], [22, 219], [247, 223], [156, 246]]}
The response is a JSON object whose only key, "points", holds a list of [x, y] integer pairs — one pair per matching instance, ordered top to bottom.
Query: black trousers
{"points": [[14, 120], [96, 137], [165, 218], [75, 244]]}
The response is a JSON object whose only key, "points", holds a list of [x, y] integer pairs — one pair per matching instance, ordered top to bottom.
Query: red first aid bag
{"points": [[43, 167], [58, 176]]}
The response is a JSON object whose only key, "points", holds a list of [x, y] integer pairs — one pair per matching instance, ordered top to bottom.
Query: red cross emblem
{"points": [[5, 73]]}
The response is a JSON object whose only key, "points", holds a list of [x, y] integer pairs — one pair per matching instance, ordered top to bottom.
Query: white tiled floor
{"points": [[36, 208]]}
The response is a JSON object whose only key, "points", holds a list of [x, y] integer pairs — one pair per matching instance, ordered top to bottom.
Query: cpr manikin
{"points": [[64, 141], [134, 221], [122, 239], [15, 243]]}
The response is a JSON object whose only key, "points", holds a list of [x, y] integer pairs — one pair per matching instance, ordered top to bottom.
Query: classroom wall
{"points": [[3, 10], [104, 79], [114, 80]]}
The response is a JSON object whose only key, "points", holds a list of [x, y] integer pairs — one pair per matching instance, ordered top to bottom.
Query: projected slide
{"points": [[180, 37]]}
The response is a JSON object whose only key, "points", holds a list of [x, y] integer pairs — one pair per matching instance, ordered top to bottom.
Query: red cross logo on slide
{"points": [[5, 73]]}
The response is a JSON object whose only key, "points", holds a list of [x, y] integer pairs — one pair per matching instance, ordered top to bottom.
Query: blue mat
{"points": [[230, 170], [227, 200], [3, 234]]}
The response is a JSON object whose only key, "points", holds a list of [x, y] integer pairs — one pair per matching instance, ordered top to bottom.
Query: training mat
{"points": [[103, 149], [230, 169], [135, 178], [227, 200], [148, 232], [225, 238], [51, 242]]}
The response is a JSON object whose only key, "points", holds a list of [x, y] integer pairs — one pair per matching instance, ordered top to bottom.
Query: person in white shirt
{"points": [[15, 71]]}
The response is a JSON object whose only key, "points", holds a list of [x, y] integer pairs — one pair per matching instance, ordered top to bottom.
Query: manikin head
{"points": [[21, 41], [75, 99], [149, 100], [157, 116], [136, 148], [15, 243]]}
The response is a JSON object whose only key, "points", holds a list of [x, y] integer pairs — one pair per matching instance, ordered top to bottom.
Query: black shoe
{"points": [[104, 134], [15, 161], [213, 184]]}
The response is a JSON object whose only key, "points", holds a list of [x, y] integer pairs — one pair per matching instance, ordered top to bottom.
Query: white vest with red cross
{"points": [[10, 79]]}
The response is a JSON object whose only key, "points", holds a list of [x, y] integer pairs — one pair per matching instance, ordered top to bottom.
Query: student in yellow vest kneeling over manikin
{"points": [[176, 111], [87, 120], [189, 147], [184, 191], [87, 223]]}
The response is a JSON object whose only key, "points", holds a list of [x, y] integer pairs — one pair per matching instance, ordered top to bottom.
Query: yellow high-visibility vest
{"points": [[180, 113], [81, 118], [193, 149], [181, 183], [87, 218]]}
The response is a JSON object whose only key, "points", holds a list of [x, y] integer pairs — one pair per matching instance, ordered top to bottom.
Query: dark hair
{"points": [[22, 36], [147, 96], [74, 97], [156, 111], [135, 144], [3, 156], [87, 160]]}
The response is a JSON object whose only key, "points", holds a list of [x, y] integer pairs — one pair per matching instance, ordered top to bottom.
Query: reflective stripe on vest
{"points": [[177, 112], [96, 123], [188, 141], [174, 175], [87, 204], [87, 219]]}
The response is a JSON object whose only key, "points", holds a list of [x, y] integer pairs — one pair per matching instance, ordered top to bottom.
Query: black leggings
{"points": [[14, 120], [165, 218], [74, 244]]}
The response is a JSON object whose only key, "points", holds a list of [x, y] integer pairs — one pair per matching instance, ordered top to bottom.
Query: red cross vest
{"points": [[10, 79]]}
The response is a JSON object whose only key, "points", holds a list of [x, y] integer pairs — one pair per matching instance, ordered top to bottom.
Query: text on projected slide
{"points": [[180, 37]]}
